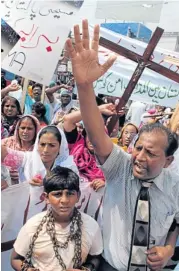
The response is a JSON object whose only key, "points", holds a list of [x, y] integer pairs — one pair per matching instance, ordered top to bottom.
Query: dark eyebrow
{"points": [[48, 142], [52, 143], [151, 152]]}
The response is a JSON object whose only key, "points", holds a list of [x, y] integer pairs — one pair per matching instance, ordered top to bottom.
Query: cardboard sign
{"points": [[43, 27]]}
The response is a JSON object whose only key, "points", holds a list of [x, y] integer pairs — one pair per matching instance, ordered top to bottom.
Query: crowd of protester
{"points": [[64, 146]]}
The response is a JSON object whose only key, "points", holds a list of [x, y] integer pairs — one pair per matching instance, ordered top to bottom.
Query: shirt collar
{"points": [[158, 181]]}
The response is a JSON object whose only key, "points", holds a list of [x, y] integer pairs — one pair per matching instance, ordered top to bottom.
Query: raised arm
{"points": [[86, 70], [5, 91], [50, 91], [71, 119]]}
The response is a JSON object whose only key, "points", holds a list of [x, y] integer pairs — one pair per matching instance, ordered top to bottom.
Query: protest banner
{"points": [[43, 27], [9, 38], [152, 88], [22, 201]]}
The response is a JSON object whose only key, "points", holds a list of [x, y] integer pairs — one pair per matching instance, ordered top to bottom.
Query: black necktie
{"points": [[141, 231]]}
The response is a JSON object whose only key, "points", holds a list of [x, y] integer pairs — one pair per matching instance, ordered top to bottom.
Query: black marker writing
{"points": [[19, 58]]}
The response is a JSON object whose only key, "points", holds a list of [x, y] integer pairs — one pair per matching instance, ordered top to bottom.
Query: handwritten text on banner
{"points": [[43, 27], [152, 87]]}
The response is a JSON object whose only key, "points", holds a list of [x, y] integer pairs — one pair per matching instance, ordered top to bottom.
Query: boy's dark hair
{"points": [[37, 86], [39, 108], [171, 137], [61, 178]]}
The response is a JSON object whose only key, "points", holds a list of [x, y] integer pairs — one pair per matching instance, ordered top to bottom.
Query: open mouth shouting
{"points": [[139, 168]]}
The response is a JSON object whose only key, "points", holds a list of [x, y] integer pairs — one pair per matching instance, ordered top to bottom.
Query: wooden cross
{"points": [[143, 62]]}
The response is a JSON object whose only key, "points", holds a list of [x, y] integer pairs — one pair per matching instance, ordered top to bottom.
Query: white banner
{"points": [[43, 27], [152, 87], [20, 202]]}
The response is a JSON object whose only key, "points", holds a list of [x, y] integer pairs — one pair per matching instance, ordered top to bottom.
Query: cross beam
{"points": [[143, 62]]}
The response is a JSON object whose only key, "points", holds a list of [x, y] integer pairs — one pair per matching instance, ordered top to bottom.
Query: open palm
{"points": [[85, 64]]}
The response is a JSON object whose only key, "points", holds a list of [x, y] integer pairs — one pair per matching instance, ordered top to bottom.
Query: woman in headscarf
{"points": [[64, 107], [11, 111], [128, 133], [24, 135], [22, 140], [81, 148], [50, 150]]}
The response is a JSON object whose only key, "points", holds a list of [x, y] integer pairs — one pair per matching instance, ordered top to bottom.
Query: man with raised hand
{"points": [[142, 196]]}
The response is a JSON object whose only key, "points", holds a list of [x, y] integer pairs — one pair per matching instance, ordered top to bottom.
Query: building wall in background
{"points": [[140, 31], [168, 43]]}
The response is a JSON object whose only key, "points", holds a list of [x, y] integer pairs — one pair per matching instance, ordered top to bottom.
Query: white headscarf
{"points": [[58, 108], [33, 164]]}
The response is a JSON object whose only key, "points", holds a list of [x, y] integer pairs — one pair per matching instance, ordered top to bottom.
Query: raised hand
{"points": [[85, 64], [13, 87], [108, 109]]}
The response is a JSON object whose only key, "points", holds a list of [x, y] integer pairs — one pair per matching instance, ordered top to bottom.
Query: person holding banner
{"points": [[10, 88], [37, 92], [50, 149], [141, 199], [61, 238]]}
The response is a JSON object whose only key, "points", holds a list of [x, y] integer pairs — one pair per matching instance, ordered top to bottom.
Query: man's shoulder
{"points": [[118, 155], [169, 173], [171, 178]]}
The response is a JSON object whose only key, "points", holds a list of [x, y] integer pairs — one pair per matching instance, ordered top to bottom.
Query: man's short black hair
{"points": [[36, 85], [171, 137], [61, 178]]}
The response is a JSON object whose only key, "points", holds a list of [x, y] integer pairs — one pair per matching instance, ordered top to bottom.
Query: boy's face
{"points": [[63, 202]]}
